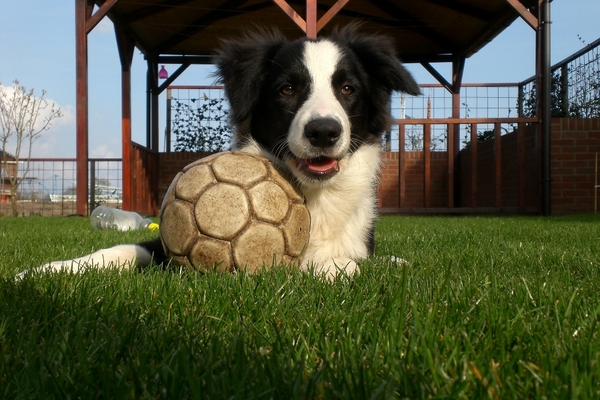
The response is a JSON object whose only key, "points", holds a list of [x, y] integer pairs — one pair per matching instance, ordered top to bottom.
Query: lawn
{"points": [[486, 307]]}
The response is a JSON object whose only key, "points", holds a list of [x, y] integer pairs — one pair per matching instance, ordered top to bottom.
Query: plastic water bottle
{"points": [[112, 218]]}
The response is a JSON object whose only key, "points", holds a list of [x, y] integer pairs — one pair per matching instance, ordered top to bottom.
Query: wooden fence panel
{"points": [[144, 183]]}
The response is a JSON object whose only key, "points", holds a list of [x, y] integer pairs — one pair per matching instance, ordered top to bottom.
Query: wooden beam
{"points": [[286, 8], [464, 9], [150, 10], [83, 11], [224, 11], [332, 12], [524, 13], [403, 18], [311, 19], [91, 22], [126, 46], [200, 60], [458, 69], [172, 77], [449, 87], [444, 121], [521, 155], [451, 162], [401, 165], [427, 165], [473, 165], [497, 165]]}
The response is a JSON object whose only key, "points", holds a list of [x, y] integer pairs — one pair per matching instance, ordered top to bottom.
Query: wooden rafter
{"points": [[464, 9], [148, 11], [290, 12], [524, 13], [95, 18], [201, 23], [312, 24], [415, 24], [434, 72], [172, 77]]}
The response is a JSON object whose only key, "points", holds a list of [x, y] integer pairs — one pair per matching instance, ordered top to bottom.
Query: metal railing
{"points": [[575, 86], [50, 186]]}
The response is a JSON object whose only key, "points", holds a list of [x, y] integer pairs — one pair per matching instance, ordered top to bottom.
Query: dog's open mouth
{"points": [[320, 167]]}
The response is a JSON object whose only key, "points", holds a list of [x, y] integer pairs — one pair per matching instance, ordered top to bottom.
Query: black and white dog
{"points": [[316, 108]]}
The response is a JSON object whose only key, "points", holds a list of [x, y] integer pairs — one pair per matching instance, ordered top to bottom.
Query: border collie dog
{"points": [[317, 109]]}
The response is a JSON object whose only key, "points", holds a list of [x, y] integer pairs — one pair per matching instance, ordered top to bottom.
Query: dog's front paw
{"points": [[72, 266]]}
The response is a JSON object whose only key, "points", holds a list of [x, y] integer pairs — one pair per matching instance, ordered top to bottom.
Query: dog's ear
{"points": [[377, 56], [241, 67], [384, 72]]}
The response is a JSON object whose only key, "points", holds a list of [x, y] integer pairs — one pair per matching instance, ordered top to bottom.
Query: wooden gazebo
{"points": [[185, 32]]}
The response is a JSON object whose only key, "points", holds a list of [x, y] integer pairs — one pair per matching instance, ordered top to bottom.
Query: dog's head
{"points": [[311, 103]]}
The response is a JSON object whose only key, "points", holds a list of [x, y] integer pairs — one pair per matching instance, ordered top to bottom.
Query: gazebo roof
{"points": [[424, 30]]}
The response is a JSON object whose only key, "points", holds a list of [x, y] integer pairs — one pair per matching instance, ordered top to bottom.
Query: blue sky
{"points": [[37, 47]]}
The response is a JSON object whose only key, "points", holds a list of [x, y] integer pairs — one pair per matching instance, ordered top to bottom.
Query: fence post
{"points": [[564, 90], [168, 123], [474, 161], [401, 165], [426, 165], [497, 165], [92, 185]]}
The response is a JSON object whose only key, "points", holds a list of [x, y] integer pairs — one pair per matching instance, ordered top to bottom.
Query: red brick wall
{"points": [[575, 143], [169, 165], [389, 191]]}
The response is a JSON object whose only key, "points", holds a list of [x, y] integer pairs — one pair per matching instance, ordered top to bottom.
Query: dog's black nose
{"points": [[323, 132]]}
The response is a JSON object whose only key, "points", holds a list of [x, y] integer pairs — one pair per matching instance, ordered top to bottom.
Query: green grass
{"points": [[487, 307]]}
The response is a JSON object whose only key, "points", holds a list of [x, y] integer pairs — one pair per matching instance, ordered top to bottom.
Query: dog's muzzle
{"points": [[323, 134]]}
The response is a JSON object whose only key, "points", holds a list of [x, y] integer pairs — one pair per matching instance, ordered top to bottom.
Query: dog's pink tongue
{"points": [[322, 165]]}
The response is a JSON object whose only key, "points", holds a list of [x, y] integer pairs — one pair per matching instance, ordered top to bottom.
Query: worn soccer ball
{"points": [[233, 211]]}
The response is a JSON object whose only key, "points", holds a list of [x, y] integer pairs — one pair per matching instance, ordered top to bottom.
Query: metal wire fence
{"points": [[575, 86], [494, 100], [197, 119], [50, 186]]}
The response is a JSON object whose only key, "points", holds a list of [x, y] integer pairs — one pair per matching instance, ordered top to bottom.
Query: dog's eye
{"points": [[286, 90], [347, 90]]}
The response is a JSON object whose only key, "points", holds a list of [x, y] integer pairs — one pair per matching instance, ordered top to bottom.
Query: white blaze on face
{"points": [[321, 60]]}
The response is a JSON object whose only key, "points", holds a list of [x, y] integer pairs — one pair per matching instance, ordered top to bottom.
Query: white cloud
{"points": [[56, 141], [104, 151]]}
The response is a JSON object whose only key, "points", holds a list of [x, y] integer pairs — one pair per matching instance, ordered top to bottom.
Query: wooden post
{"points": [[83, 11], [311, 19], [311, 24], [126, 47], [458, 68], [452, 132], [521, 154], [401, 165], [427, 165], [474, 165], [497, 165]]}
